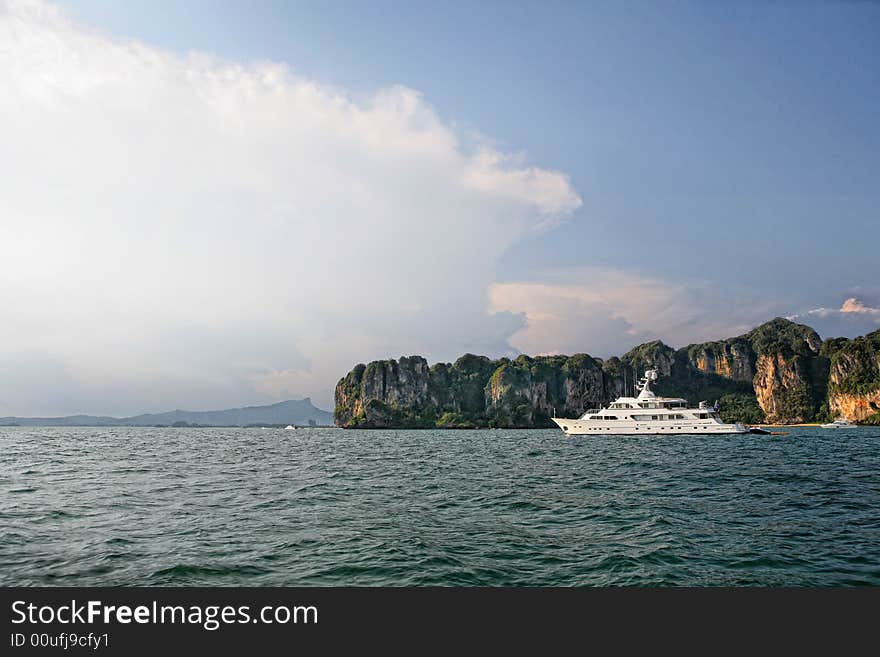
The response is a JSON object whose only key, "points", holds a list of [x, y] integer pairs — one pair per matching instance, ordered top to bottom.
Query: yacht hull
{"points": [[649, 415], [671, 428]]}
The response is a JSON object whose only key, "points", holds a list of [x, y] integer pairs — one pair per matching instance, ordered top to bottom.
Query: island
{"points": [[781, 372]]}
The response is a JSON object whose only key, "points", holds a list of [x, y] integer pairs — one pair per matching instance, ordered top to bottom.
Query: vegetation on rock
{"points": [[855, 364], [780, 371]]}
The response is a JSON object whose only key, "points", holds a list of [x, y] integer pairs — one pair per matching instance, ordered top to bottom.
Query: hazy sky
{"points": [[210, 204]]}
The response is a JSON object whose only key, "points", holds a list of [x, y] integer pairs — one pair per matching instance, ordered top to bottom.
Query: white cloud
{"points": [[184, 230], [854, 306], [605, 312], [854, 317]]}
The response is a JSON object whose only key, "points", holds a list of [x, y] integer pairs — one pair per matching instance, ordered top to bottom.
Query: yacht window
{"points": [[703, 416], [610, 417]]}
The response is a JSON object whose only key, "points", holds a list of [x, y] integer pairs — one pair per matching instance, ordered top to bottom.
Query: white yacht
{"points": [[648, 415], [839, 423]]}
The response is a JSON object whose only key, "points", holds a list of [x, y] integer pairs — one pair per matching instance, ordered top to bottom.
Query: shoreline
{"points": [[800, 424]]}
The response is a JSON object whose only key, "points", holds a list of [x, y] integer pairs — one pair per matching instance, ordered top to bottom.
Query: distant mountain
{"points": [[294, 411]]}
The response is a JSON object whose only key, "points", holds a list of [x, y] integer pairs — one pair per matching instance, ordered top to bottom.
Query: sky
{"points": [[213, 204]]}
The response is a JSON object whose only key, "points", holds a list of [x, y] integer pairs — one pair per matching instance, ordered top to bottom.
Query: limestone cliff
{"points": [[733, 358], [778, 372], [791, 375], [854, 378], [782, 389], [528, 391], [472, 392], [380, 393], [864, 408]]}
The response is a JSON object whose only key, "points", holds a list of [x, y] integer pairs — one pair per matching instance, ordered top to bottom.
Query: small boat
{"points": [[839, 423], [289, 426], [763, 432]]}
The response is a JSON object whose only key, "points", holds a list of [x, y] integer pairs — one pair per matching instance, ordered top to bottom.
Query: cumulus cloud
{"points": [[182, 230], [856, 307], [605, 311], [854, 317]]}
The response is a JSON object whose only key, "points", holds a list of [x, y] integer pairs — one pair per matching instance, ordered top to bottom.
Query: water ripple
{"points": [[408, 508]]}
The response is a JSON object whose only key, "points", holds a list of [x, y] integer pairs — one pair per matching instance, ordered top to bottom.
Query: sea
{"points": [[333, 507]]}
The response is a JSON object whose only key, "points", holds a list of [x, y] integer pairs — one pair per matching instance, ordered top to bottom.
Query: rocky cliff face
{"points": [[733, 359], [782, 362], [779, 372], [791, 378], [854, 378], [781, 388], [381, 390], [528, 391], [472, 392], [863, 408]]}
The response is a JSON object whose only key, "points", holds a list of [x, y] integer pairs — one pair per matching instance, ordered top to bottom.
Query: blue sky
{"points": [[689, 129], [262, 194]]}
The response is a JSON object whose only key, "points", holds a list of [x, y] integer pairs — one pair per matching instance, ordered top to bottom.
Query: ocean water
{"points": [[123, 506]]}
